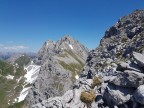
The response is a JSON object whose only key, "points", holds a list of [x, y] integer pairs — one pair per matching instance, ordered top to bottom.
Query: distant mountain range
{"points": [[12, 56]]}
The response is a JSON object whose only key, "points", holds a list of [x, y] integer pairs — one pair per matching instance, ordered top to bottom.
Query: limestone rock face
{"points": [[60, 61]]}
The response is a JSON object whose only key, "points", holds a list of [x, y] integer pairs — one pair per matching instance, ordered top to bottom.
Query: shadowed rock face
{"points": [[60, 61]]}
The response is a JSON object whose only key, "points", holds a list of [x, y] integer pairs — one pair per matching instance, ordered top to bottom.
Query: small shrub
{"points": [[124, 39], [96, 81], [87, 97]]}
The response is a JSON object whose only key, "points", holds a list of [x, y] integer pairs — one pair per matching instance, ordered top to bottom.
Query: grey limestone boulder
{"points": [[139, 58], [128, 66], [128, 78], [139, 94], [115, 95], [68, 96], [53, 103]]}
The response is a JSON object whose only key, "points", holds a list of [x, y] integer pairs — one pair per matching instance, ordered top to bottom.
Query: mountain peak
{"points": [[128, 26], [69, 39], [67, 43], [61, 61]]}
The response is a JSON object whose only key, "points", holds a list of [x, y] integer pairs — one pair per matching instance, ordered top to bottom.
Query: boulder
{"points": [[139, 58], [128, 66], [128, 78], [85, 83], [139, 94], [115, 95], [68, 96], [99, 99], [76, 102], [53, 103], [39, 105], [94, 105]]}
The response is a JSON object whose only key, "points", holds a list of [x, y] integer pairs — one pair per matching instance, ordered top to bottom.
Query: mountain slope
{"points": [[61, 61], [118, 70], [12, 80]]}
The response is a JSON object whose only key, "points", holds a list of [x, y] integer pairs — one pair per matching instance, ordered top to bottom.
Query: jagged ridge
{"points": [[60, 61]]}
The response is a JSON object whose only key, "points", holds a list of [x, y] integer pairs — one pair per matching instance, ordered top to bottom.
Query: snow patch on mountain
{"points": [[70, 46], [32, 73], [10, 77], [23, 94]]}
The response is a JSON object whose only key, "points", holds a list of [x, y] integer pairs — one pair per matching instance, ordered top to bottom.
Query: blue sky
{"points": [[26, 24]]}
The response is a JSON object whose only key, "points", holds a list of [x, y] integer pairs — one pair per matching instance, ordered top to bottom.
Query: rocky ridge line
{"points": [[60, 62]]}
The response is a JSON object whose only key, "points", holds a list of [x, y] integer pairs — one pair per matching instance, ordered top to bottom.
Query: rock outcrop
{"points": [[60, 62], [139, 94]]}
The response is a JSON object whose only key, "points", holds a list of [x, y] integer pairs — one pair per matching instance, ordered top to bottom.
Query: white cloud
{"points": [[13, 48]]}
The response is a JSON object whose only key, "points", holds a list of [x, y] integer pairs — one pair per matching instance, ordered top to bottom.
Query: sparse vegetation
{"points": [[124, 39], [119, 54], [63, 55], [75, 57], [23, 60], [105, 64], [72, 67], [6, 68], [19, 71], [96, 82], [18, 88], [10, 89], [6, 91], [88, 97], [19, 105]]}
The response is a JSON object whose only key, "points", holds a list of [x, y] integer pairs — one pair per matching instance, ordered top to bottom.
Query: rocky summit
{"points": [[60, 62], [116, 67]]}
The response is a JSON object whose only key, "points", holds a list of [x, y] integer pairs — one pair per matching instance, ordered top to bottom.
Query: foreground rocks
{"points": [[139, 58], [128, 79], [120, 90], [139, 94], [116, 95]]}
